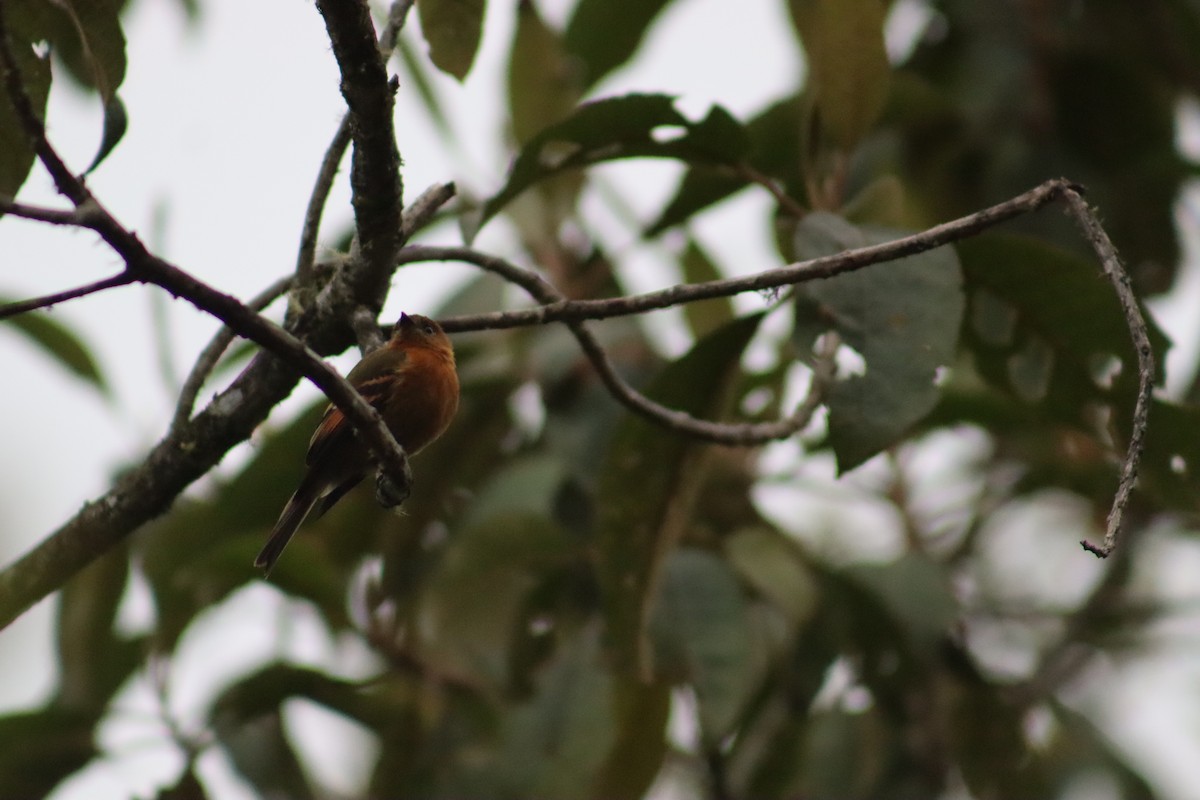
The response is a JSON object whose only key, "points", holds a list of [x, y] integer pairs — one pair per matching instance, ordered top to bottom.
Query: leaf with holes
{"points": [[902, 317]]}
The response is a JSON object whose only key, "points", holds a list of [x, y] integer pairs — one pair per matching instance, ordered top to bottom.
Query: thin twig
{"points": [[786, 202], [418, 214], [54, 216], [1094, 232], [307, 255], [799, 272], [13, 309], [213, 351], [738, 434]]}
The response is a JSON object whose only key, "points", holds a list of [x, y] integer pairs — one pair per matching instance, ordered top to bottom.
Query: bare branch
{"points": [[375, 165], [417, 215], [55, 216], [1094, 232], [306, 255], [813, 269], [13, 309], [213, 351], [743, 434], [189, 452]]}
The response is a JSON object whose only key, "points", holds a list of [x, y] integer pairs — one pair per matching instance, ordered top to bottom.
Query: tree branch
{"points": [[375, 165], [54, 216], [1094, 232], [306, 257], [801, 271], [13, 309], [213, 351], [743, 434], [189, 452]]}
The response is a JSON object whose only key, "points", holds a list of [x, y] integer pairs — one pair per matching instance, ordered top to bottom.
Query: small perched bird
{"points": [[412, 383]]}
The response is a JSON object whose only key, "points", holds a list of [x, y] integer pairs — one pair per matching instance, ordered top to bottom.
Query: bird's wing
{"points": [[373, 377]]}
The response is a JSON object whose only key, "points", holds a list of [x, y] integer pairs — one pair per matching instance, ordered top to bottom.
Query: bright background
{"points": [[229, 118]]}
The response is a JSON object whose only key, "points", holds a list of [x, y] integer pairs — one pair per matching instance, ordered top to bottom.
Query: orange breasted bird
{"points": [[411, 381]]}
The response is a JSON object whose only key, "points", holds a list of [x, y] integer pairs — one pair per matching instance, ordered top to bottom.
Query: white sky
{"points": [[227, 126]]}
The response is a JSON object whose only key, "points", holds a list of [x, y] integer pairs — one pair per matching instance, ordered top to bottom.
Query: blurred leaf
{"points": [[452, 28], [604, 34], [87, 36], [847, 62], [418, 78], [542, 85], [543, 89], [116, 121], [618, 128], [16, 150], [774, 151], [707, 315], [902, 317], [60, 342], [647, 488], [507, 538], [766, 560], [916, 592], [700, 626], [93, 660], [264, 692], [987, 739], [552, 745], [1080, 747], [43, 748], [261, 754], [636, 757], [188, 787]]}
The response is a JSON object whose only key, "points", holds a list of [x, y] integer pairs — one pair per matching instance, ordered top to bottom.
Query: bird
{"points": [[413, 384]]}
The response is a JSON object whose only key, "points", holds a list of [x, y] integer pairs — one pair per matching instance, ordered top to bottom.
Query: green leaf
{"points": [[452, 28], [604, 34], [87, 36], [847, 62], [543, 85], [116, 122], [631, 126], [772, 149], [16, 150], [1027, 296], [902, 317], [60, 342], [647, 489], [505, 542], [773, 565], [916, 592], [701, 628], [93, 660], [641, 711], [988, 741], [554, 744], [43, 748], [261, 754]]}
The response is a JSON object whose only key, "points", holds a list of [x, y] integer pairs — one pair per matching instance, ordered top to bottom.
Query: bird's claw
{"points": [[388, 492]]}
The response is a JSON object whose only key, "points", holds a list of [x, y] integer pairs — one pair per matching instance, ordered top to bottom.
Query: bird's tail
{"points": [[293, 515]]}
